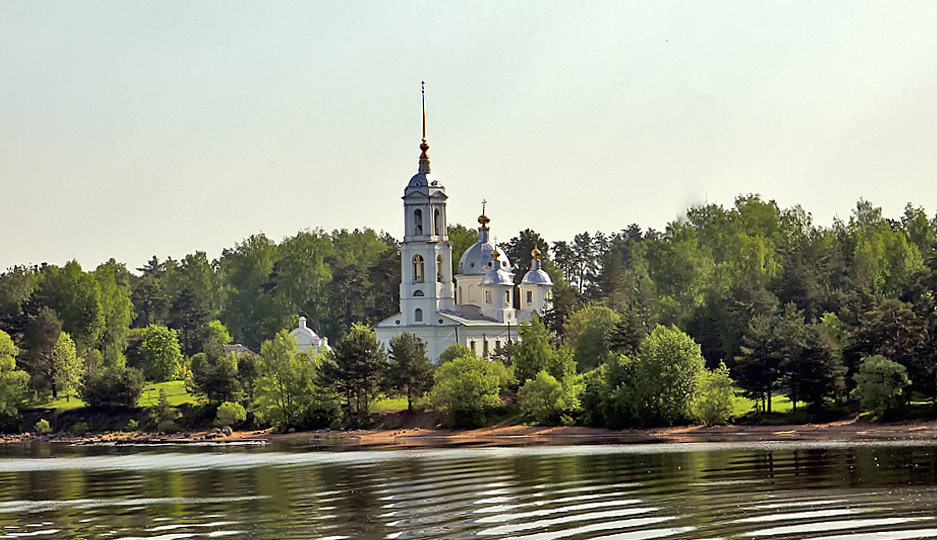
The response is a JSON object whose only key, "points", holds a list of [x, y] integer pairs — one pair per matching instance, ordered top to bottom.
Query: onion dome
{"points": [[478, 259], [496, 275], [536, 275]]}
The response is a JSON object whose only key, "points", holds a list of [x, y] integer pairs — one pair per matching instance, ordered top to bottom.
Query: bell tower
{"points": [[426, 253]]}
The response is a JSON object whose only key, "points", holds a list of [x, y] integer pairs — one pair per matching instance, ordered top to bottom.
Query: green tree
{"points": [[113, 281], [590, 331], [41, 334], [456, 350], [161, 355], [67, 367], [667, 368], [356, 370], [409, 371], [215, 378], [13, 382], [880, 384], [114, 386], [463, 388], [289, 392], [714, 398], [547, 400], [230, 414]]}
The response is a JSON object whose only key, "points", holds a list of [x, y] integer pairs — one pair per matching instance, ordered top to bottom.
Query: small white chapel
{"points": [[476, 307]]}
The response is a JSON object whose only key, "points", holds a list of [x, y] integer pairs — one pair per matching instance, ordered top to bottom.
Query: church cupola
{"points": [[536, 287]]}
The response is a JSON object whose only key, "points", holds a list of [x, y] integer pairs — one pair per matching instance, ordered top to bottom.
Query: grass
{"points": [[175, 393], [389, 404], [779, 404]]}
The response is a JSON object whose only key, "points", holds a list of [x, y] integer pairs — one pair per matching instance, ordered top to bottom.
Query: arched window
{"points": [[417, 222], [437, 223], [418, 268], [439, 268], [417, 293], [530, 296], [487, 297], [507, 298], [418, 315]]}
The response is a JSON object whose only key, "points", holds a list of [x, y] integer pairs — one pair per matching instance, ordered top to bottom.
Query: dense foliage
{"points": [[791, 308]]}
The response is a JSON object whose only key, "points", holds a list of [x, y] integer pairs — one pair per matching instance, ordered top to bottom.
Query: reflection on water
{"points": [[785, 490]]}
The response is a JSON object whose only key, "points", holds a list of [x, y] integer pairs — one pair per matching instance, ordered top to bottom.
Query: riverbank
{"points": [[514, 435]]}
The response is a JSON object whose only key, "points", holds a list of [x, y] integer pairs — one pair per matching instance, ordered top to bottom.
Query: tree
{"points": [[518, 251], [116, 310], [590, 331], [41, 334], [456, 350], [535, 353], [161, 356], [358, 363], [67, 367], [667, 369], [757, 369], [409, 371], [216, 378], [13, 382], [880, 384], [114, 386], [464, 388], [289, 392], [714, 398], [547, 400], [230, 414]]}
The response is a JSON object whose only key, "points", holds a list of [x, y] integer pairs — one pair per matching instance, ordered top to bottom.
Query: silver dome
{"points": [[476, 259], [497, 276], [537, 276]]}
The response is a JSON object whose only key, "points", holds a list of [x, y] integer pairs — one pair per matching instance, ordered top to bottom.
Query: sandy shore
{"points": [[514, 435]]}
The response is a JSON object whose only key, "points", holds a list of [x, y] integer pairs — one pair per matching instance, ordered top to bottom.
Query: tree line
{"points": [[787, 306]]}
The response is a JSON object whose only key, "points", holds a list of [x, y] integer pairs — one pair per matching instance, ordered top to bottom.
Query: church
{"points": [[476, 307]]}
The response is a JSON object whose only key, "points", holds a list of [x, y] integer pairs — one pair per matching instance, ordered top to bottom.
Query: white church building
{"points": [[476, 307]]}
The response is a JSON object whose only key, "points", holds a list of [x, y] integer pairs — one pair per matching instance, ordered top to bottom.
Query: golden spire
{"points": [[424, 158], [483, 219], [495, 253], [535, 253]]}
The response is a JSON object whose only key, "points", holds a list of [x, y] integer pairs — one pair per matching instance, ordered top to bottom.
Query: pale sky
{"points": [[133, 129]]}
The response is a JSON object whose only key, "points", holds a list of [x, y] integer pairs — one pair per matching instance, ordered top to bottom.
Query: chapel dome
{"points": [[421, 179], [477, 259], [497, 276], [537, 277], [303, 332]]}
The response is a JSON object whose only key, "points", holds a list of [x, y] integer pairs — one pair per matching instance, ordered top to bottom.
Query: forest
{"points": [[838, 317]]}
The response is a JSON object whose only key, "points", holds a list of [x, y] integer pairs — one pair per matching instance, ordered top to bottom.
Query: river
{"points": [[827, 490]]}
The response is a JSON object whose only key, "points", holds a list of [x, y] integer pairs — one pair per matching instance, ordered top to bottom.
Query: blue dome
{"points": [[477, 260], [497, 276], [537, 277]]}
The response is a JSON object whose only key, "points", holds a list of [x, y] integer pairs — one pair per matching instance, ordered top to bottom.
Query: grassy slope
{"points": [[175, 393]]}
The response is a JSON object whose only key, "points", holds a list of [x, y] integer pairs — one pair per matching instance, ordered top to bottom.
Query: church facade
{"points": [[476, 307]]}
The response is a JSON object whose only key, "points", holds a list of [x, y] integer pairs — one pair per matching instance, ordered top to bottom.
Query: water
{"points": [[720, 490]]}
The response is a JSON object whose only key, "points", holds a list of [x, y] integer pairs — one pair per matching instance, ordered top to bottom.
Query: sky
{"points": [[133, 129]]}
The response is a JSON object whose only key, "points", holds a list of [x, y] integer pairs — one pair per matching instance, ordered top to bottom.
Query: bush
{"points": [[880, 385], [112, 387], [463, 388], [545, 399], [714, 399], [230, 414], [163, 415], [132, 425], [167, 426], [43, 427], [79, 429]]}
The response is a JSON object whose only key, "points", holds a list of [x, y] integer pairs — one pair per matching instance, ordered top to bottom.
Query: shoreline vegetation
{"points": [[647, 328], [508, 435]]}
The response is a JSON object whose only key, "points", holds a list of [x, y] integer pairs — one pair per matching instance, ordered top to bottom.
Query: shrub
{"points": [[880, 384], [112, 387], [463, 388], [715, 397], [542, 398], [230, 414], [163, 415], [132, 425], [167, 426], [43, 427], [79, 429]]}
